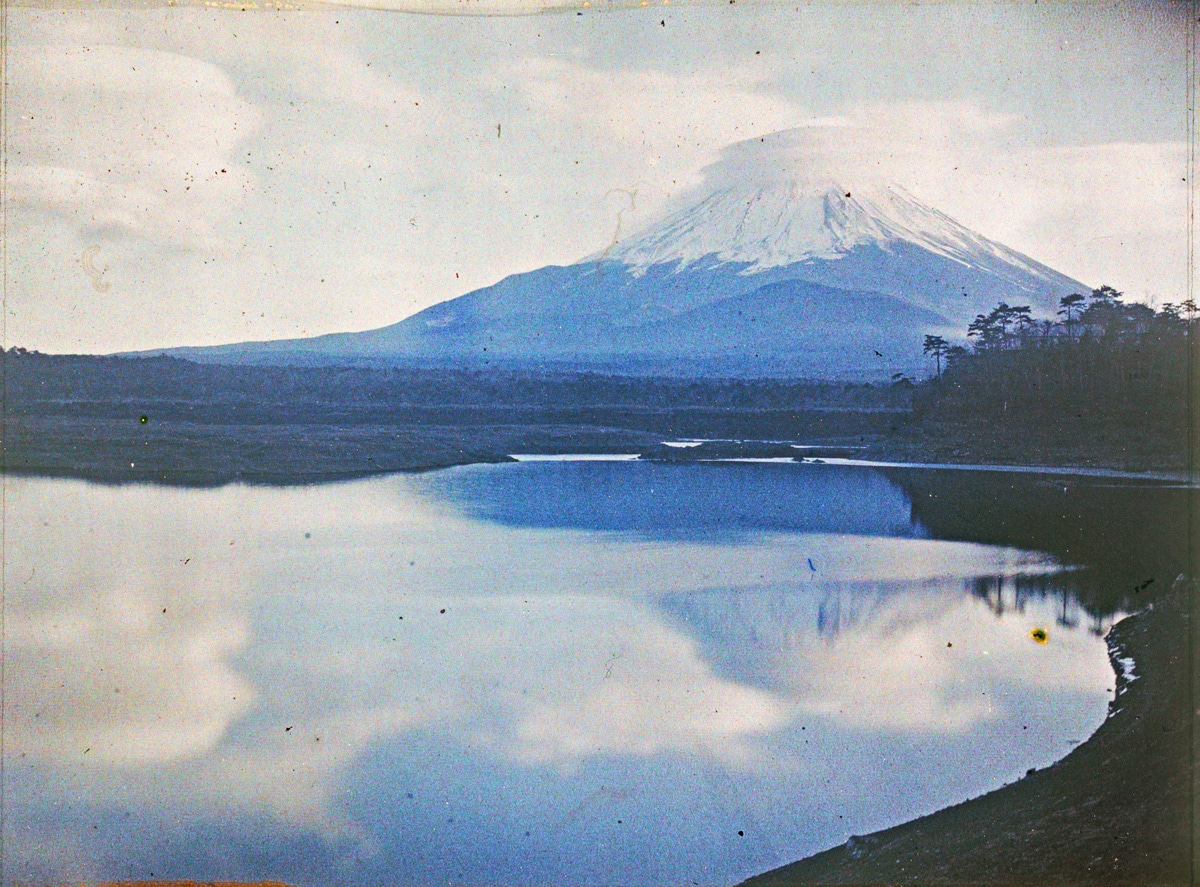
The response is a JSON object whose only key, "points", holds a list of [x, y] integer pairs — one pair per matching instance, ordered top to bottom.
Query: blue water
{"points": [[536, 673]]}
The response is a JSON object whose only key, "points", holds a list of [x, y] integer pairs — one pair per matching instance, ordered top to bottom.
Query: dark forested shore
{"points": [[1108, 385]]}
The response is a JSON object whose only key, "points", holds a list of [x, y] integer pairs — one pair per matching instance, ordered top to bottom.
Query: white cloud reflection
{"points": [[118, 648], [282, 658]]}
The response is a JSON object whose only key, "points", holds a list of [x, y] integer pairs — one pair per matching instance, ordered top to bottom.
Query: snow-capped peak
{"points": [[788, 220]]}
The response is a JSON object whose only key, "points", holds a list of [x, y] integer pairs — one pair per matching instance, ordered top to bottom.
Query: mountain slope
{"points": [[876, 239], [782, 277], [602, 319]]}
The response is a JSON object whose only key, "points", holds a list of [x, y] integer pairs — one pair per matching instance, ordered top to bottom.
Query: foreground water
{"points": [[538, 673]]}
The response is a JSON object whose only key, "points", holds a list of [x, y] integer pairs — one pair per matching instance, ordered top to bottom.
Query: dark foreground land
{"points": [[172, 421]]}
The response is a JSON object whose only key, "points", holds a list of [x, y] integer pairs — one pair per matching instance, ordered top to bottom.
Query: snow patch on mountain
{"points": [[788, 220]]}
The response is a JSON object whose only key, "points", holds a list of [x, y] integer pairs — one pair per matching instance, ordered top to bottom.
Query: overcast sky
{"points": [[194, 176]]}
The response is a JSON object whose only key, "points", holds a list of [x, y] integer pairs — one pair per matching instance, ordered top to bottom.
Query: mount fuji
{"points": [[775, 276]]}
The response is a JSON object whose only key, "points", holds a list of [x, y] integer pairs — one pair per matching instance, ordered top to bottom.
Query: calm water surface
{"points": [[538, 673]]}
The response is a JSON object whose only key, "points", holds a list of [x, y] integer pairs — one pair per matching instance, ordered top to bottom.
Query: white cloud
{"points": [[664, 112], [645, 134], [121, 141], [1104, 213], [1109, 213]]}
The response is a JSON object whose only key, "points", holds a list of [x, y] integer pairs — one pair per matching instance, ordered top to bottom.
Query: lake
{"points": [[570, 673]]}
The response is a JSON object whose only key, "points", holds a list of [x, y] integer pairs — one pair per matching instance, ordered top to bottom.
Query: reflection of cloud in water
{"points": [[115, 648], [283, 658], [553, 682]]}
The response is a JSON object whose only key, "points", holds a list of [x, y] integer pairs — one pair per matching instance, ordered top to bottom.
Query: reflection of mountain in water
{"points": [[681, 501], [743, 630]]}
